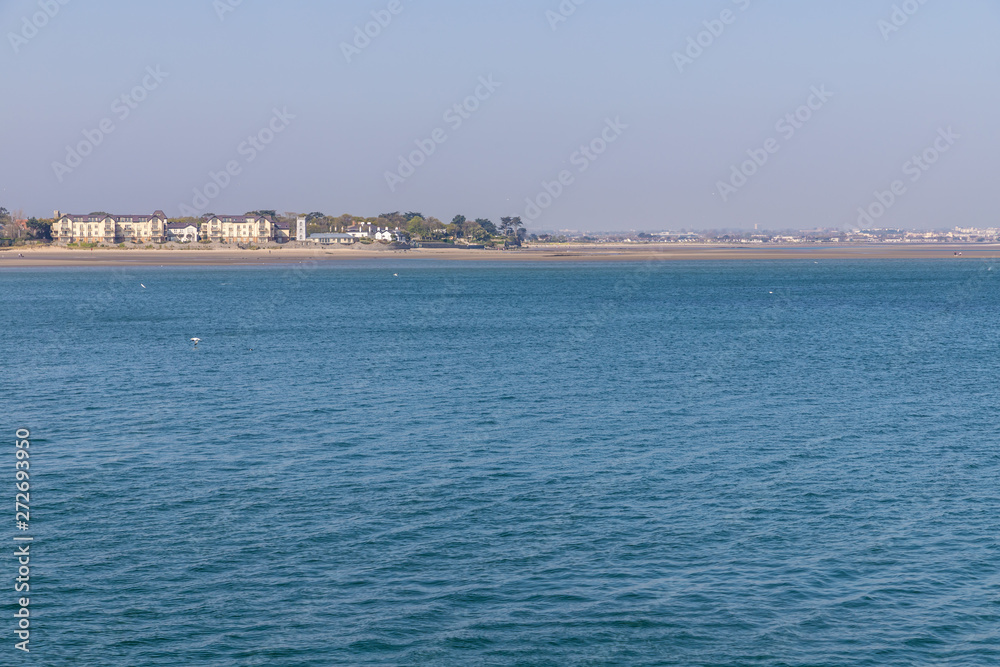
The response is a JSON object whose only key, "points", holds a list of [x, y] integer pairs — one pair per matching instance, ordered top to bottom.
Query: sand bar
{"points": [[51, 256]]}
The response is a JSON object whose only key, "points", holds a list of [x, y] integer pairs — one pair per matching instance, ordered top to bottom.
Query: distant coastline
{"points": [[54, 256]]}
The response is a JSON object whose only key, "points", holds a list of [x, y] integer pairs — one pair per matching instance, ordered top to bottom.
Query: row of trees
{"points": [[14, 227], [427, 228]]}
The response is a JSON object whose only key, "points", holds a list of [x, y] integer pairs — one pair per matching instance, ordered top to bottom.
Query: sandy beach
{"points": [[53, 256]]}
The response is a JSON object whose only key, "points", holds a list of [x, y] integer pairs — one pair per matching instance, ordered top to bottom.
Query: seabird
{"points": [[196, 341]]}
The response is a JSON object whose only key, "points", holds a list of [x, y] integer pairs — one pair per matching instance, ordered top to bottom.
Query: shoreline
{"points": [[51, 256]]}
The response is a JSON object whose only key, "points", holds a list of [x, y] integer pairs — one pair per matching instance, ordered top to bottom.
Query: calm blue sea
{"points": [[715, 463]]}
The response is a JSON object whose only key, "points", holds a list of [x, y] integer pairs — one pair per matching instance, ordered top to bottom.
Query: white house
{"points": [[360, 231], [182, 232], [388, 235], [332, 239]]}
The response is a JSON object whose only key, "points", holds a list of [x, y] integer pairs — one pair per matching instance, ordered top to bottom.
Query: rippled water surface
{"points": [[767, 463]]}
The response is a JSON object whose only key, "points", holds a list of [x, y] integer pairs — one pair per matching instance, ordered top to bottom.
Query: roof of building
{"points": [[84, 218], [115, 218], [241, 219], [181, 225]]}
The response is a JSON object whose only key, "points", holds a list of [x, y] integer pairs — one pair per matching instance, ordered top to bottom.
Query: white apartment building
{"points": [[110, 229], [243, 229]]}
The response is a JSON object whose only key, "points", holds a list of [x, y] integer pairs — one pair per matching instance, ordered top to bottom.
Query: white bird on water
{"points": [[142, 286], [196, 341]]}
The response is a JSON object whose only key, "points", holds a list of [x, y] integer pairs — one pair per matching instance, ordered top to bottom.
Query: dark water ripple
{"points": [[762, 463]]}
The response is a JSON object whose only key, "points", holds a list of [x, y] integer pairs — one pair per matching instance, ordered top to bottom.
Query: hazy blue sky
{"points": [[892, 92]]}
